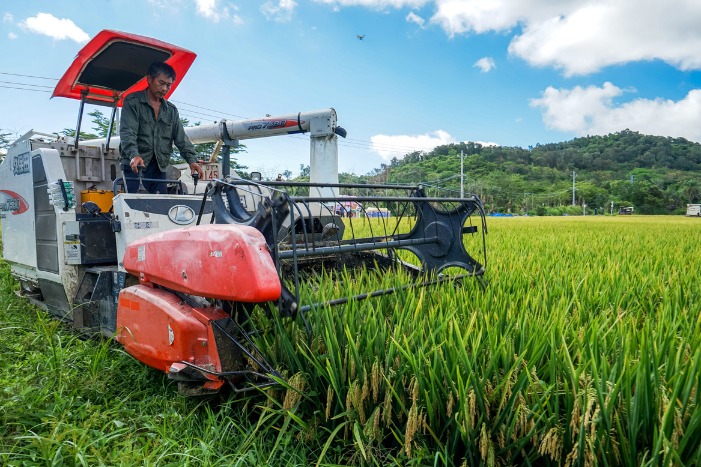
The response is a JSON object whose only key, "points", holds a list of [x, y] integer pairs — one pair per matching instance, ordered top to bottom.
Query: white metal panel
{"points": [[17, 210]]}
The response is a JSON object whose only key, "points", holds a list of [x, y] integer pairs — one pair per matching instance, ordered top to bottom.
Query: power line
{"points": [[28, 76], [27, 84], [24, 89], [205, 108], [345, 142]]}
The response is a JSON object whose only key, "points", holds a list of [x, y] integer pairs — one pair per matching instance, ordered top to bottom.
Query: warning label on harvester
{"points": [[71, 252]]}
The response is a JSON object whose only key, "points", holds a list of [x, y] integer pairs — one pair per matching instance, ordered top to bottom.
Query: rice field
{"points": [[583, 349]]}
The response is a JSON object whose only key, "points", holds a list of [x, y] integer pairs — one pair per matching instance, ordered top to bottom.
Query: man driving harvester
{"points": [[148, 128]]}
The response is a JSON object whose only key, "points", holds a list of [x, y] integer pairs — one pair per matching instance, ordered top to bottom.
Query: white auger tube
{"points": [[321, 125]]}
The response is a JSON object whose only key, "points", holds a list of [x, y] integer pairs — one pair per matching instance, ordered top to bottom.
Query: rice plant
{"points": [[584, 349]]}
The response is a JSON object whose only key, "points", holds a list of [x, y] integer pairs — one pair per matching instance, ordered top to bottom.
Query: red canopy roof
{"points": [[114, 64]]}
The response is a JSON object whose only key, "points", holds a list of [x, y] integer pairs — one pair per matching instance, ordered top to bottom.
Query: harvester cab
{"points": [[175, 277]]}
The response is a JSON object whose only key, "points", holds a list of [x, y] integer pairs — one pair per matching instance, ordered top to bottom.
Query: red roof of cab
{"points": [[114, 64]]}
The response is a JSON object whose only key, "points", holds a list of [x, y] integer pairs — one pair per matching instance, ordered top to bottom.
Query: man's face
{"points": [[159, 86]]}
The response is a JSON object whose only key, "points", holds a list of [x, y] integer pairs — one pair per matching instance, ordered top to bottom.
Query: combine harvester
{"points": [[175, 276]]}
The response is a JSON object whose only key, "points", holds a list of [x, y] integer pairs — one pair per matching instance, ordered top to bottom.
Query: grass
{"points": [[584, 349]]}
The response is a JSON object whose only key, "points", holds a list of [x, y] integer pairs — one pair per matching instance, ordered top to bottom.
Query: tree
{"points": [[101, 123], [100, 126], [5, 139], [4, 143], [204, 152], [691, 189]]}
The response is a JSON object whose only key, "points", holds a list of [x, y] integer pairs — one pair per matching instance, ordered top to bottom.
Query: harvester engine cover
{"points": [[227, 262]]}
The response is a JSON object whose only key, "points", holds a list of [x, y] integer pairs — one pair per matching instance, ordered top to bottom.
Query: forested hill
{"points": [[653, 174]]}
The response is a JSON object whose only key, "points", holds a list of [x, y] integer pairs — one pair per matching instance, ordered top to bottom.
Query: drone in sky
{"points": [[360, 36]]}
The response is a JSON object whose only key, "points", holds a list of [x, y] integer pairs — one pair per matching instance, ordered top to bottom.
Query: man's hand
{"points": [[136, 161], [195, 167]]}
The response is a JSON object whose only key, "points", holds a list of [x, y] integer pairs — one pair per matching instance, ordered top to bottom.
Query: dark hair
{"points": [[157, 68]]}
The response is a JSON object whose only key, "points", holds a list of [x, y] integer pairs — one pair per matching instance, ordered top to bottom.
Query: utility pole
{"points": [[574, 175], [462, 177], [612, 208]]}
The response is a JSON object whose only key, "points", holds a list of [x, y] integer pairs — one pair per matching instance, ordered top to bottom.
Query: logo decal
{"points": [[270, 124], [20, 164], [13, 203], [181, 214]]}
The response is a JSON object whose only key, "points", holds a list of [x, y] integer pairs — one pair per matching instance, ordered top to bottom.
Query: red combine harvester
{"points": [[175, 276]]}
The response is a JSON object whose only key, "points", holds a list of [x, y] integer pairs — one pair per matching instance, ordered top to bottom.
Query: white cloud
{"points": [[167, 4], [375, 4], [212, 10], [282, 12], [479, 16], [7, 18], [416, 19], [57, 28], [610, 33], [11, 35], [576, 36], [583, 36], [485, 64], [592, 110], [485, 144], [399, 145]]}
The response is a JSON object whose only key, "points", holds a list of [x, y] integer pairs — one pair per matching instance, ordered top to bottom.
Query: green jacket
{"points": [[141, 135]]}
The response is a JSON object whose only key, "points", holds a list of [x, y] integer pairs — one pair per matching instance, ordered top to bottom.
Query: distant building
{"points": [[348, 209], [626, 210], [377, 212]]}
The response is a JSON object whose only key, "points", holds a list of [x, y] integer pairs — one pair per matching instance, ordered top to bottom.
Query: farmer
{"points": [[149, 127]]}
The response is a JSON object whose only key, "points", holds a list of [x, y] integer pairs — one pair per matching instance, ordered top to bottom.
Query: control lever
{"points": [[195, 178], [142, 188]]}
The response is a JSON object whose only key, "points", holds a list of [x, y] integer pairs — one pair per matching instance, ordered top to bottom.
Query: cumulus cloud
{"points": [[375, 4], [212, 10], [280, 12], [479, 16], [7, 18], [416, 19], [56, 28], [603, 34], [11, 35], [576, 36], [583, 36], [485, 64], [592, 110], [389, 146]]}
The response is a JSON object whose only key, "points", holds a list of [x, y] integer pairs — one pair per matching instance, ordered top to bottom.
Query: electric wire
{"points": [[27, 76], [26, 84], [24, 89], [217, 116]]}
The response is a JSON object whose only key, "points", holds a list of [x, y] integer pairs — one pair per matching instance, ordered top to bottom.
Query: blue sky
{"points": [[428, 72]]}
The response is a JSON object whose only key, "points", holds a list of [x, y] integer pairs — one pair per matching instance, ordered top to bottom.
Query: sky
{"points": [[426, 72]]}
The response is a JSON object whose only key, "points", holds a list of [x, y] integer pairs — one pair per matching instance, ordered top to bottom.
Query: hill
{"points": [[656, 175]]}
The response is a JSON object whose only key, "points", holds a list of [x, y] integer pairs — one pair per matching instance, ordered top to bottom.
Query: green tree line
{"points": [[656, 175]]}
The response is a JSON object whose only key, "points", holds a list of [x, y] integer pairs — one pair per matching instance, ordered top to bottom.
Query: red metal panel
{"points": [[69, 86], [228, 262], [158, 329]]}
